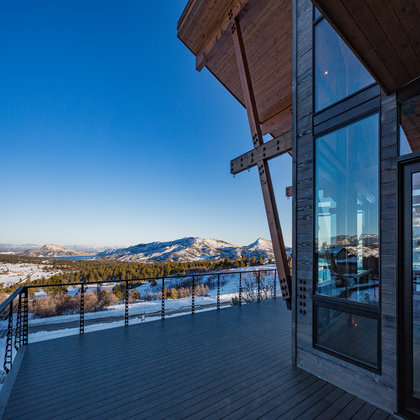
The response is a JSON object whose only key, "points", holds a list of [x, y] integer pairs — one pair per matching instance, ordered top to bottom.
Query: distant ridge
{"points": [[190, 249], [52, 250]]}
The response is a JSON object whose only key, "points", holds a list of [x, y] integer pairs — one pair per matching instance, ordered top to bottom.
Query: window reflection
{"points": [[338, 72], [410, 125], [346, 188], [351, 335]]}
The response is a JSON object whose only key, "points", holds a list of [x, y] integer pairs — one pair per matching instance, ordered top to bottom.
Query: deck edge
{"points": [[10, 380]]}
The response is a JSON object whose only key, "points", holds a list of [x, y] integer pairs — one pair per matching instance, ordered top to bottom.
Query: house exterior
{"points": [[337, 86]]}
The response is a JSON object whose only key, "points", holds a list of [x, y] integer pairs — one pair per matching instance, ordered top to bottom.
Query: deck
{"points": [[231, 363]]}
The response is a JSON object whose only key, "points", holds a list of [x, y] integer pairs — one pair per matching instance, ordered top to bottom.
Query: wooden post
{"points": [[263, 169]]}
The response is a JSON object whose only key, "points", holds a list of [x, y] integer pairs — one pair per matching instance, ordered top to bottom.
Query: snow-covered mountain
{"points": [[260, 244], [189, 249], [52, 250]]}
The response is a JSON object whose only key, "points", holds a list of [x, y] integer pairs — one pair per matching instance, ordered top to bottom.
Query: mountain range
{"points": [[190, 249], [182, 250]]}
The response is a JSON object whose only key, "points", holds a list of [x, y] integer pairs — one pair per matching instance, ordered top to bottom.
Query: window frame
{"points": [[353, 108], [339, 125], [336, 303], [368, 311]]}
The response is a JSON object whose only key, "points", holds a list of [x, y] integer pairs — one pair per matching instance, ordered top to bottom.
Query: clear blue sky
{"points": [[109, 136]]}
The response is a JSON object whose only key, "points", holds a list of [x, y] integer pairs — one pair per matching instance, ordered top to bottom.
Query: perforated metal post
{"points": [[275, 285], [258, 287], [240, 289], [218, 291], [193, 296], [163, 299], [126, 305], [82, 310], [25, 320], [18, 331], [9, 341]]}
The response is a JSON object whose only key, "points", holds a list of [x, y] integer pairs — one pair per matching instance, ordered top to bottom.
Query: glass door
{"points": [[411, 288]]}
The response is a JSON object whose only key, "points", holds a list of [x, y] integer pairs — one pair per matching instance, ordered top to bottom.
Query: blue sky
{"points": [[109, 136]]}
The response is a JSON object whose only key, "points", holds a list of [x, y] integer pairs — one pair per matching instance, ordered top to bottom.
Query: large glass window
{"points": [[338, 72], [410, 125], [346, 212], [350, 335]]}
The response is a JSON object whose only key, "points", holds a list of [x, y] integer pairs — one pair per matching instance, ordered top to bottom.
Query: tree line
{"points": [[88, 271]]}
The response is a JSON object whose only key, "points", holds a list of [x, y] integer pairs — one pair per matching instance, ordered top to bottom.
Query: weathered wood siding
{"points": [[380, 389]]}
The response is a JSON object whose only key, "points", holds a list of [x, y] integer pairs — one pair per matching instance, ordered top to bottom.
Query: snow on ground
{"points": [[16, 273], [229, 288]]}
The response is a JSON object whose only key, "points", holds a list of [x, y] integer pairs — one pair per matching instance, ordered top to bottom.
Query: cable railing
{"points": [[96, 301], [13, 325]]}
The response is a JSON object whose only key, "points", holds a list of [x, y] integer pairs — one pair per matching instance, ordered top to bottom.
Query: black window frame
{"points": [[353, 108], [408, 159], [354, 308]]}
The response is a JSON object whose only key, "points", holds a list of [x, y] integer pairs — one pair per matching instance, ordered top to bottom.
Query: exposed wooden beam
{"points": [[213, 39], [269, 150], [263, 168]]}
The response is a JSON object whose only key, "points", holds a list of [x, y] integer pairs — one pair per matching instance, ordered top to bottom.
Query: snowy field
{"points": [[16, 273], [146, 310], [150, 310]]}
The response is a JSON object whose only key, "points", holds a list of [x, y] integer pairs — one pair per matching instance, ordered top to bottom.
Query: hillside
{"points": [[189, 249], [52, 250]]}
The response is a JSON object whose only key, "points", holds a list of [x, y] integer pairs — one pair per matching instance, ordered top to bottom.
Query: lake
{"points": [[75, 258]]}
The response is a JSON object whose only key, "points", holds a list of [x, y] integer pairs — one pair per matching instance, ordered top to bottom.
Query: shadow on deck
{"points": [[234, 362]]}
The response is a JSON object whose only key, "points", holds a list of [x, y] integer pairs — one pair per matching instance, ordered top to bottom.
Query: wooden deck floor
{"points": [[231, 363]]}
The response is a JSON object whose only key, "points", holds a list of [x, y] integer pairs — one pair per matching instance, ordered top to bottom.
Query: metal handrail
{"points": [[147, 279], [6, 303], [20, 330]]}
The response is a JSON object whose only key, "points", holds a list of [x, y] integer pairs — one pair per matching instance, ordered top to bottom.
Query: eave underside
{"points": [[267, 32], [385, 35]]}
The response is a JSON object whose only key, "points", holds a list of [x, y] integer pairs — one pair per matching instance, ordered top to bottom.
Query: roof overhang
{"points": [[204, 28], [384, 35]]}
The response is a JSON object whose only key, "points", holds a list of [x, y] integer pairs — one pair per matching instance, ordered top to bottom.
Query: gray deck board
{"points": [[232, 363], [321, 405], [365, 411]]}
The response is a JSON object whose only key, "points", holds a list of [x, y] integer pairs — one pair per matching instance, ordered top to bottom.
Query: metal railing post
{"points": [[275, 285], [258, 287], [240, 289], [218, 291], [193, 296], [163, 299], [126, 304], [82, 310], [25, 328], [18, 331], [7, 364]]}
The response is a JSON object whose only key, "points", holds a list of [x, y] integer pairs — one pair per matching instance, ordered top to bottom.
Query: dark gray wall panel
{"points": [[380, 389]]}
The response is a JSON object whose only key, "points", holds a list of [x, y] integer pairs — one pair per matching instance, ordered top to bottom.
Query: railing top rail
{"points": [[146, 279], [17, 292]]}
